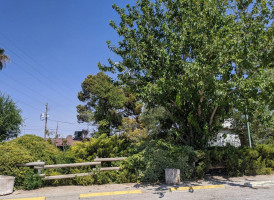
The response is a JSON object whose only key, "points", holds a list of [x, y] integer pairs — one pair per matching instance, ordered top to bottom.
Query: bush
{"points": [[102, 147], [27, 148], [38, 148], [87, 151], [11, 156], [155, 156], [243, 160], [146, 162], [32, 180]]}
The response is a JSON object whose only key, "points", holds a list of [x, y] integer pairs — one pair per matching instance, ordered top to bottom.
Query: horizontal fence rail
{"points": [[109, 159], [97, 161], [31, 164], [70, 165], [78, 174]]}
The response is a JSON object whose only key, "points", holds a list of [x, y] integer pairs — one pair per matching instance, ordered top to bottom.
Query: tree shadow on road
{"points": [[162, 189]]}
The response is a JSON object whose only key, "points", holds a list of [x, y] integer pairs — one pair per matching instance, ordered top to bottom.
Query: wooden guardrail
{"points": [[97, 161], [217, 167]]}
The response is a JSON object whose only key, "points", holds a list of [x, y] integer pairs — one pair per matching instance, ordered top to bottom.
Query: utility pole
{"points": [[46, 121], [248, 130], [56, 134]]}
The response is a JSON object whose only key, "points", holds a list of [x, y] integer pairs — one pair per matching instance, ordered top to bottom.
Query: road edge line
{"points": [[173, 189], [97, 194], [28, 198]]}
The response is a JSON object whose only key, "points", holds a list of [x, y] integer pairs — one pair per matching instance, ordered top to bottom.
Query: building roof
{"points": [[68, 141]]}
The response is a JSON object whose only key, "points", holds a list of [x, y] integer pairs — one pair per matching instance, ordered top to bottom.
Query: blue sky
{"points": [[53, 45]]}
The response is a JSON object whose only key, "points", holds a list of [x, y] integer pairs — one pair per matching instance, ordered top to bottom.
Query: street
{"points": [[232, 189]]}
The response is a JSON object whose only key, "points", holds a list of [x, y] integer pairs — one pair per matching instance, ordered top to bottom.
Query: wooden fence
{"points": [[97, 162]]}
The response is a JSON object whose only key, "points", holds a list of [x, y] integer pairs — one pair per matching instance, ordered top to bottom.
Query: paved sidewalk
{"points": [[234, 188]]}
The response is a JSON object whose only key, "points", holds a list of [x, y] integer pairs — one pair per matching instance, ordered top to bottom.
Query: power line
{"points": [[33, 60], [34, 76], [21, 92], [38, 93], [31, 97], [39, 102], [28, 105], [61, 121]]}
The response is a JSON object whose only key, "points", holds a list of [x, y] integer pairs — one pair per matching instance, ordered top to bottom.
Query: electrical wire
{"points": [[37, 63], [45, 81], [34, 91], [21, 92]]}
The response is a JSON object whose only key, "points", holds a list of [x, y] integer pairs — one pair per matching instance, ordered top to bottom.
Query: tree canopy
{"points": [[3, 58], [199, 60], [106, 103], [10, 118]]}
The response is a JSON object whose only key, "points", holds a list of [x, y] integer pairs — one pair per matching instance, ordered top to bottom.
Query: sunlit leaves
{"points": [[197, 59]]}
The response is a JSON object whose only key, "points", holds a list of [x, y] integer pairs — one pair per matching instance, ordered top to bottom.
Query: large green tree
{"points": [[3, 58], [198, 59], [106, 103], [10, 118]]}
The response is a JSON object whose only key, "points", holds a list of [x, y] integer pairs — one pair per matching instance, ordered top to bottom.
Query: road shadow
{"points": [[226, 181], [162, 189]]}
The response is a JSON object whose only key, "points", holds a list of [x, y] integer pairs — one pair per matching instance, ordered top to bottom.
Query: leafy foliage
{"points": [[3, 58], [199, 60], [103, 103], [106, 103], [10, 118], [158, 124], [261, 124], [132, 131], [103, 147], [27, 148], [38, 148], [11, 156], [150, 159], [146, 160], [242, 161], [32, 181]]}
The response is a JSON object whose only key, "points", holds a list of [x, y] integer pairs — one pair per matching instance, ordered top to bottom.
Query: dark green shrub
{"points": [[155, 156], [243, 160], [202, 163], [32, 180]]}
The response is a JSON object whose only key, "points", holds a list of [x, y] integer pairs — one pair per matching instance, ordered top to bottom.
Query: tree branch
{"points": [[201, 100], [212, 115]]}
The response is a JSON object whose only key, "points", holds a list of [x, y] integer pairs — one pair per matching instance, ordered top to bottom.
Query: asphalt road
{"points": [[233, 189]]}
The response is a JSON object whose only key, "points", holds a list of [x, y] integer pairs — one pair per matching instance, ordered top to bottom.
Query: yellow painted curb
{"points": [[197, 187], [110, 193], [30, 198]]}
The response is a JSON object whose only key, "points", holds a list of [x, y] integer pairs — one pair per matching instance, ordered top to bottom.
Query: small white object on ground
{"points": [[172, 176]]}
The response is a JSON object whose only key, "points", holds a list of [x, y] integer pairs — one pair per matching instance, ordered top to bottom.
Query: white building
{"points": [[226, 136]]}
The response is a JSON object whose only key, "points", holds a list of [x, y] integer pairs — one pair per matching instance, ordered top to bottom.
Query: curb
{"points": [[255, 184]]}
